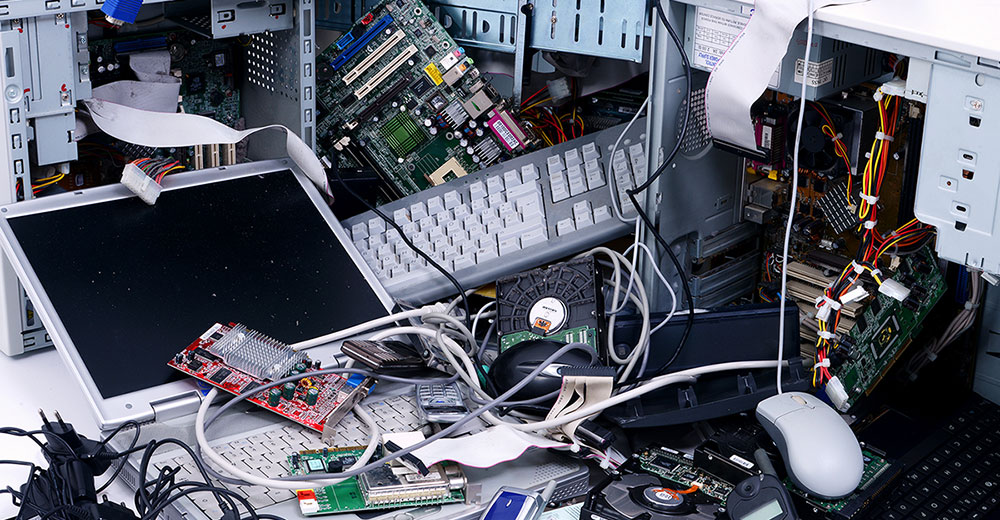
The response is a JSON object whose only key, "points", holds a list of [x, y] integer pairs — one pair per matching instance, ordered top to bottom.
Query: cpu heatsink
{"points": [[255, 354]]}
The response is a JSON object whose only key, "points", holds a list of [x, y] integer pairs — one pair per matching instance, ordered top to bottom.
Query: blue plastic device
{"points": [[121, 11]]}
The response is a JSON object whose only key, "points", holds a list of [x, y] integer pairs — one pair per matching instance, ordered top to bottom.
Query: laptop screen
{"points": [[134, 284]]}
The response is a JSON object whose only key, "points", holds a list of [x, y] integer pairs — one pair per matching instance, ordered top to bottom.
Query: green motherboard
{"points": [[396, 94], [883, 331], [583, 334], [678, 467], [387, 487]]}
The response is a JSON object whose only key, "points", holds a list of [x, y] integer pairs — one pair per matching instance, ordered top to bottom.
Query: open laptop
{"points": [[122, 286]]}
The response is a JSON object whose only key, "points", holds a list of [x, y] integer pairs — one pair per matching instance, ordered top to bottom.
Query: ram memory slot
{"points": [[359, 43], [373, 58], [384, 74], [386, 96]]}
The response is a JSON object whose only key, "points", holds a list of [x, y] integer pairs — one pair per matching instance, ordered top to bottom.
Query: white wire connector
{"points": [[881, 136], [837, 137], [141, 184], [870, 199], [870, 224], [858, 268], [894, 289], [855, 294], [829, 301], [827, 335], [932, 357], [821, 364], [837, 394]]}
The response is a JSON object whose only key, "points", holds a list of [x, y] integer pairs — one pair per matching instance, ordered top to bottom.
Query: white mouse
{"points": [[821, 453]]}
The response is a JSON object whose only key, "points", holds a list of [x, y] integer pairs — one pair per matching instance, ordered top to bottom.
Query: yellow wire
{"points": [[533, 105], [54, 180]]}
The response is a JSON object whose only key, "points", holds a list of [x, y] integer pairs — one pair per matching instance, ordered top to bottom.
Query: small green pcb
{"points": [[585, 334], [677, 467], [875, 467], [348, 495]]}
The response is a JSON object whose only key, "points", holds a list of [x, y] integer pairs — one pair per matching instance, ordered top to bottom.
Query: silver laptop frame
{"points": [[168, 400]]}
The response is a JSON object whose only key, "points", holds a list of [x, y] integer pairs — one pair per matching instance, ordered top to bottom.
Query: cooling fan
{"points": [[817, 151], [562, 302], [645, 497]]}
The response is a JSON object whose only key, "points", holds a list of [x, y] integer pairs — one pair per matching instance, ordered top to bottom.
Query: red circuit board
{"points": [[337, 394]]}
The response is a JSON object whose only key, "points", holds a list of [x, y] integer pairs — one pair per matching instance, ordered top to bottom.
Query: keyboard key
{"points": [[591, 152], [573, 158], [554, 164], [529, 173], [511, 178], [595, 178], [577, 182], [494, 184], [477, 190], [452, 199], [435, 205], [418, 211], [602, 213], [376, 225], [564, 227], [359, 231], [533, 237]]}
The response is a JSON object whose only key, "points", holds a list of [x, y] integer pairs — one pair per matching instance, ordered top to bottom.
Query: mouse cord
{"points": [[795, 191]]}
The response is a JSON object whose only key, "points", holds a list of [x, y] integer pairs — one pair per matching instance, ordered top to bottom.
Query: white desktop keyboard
{"points": [[507, 218], [266, 450]]}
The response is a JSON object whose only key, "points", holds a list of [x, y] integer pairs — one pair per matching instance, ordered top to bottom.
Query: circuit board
{"points": [[206, 69], [398, 95], [884, 330], [584, 334], [235, 359], [679, 467], [876, 467], [350, 495]]}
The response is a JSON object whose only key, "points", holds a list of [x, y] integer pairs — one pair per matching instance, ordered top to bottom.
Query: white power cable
{"points": [[609, 170], [795, 192], [368, 325], [257, 480]]}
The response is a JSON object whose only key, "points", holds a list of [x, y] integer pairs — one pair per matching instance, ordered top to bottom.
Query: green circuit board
{"points": [[205, 67], [397, 94], [883, 331], [584, 334], [677, 467], [875, 467], [350, 495]]}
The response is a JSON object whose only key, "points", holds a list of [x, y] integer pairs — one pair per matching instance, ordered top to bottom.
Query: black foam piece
{"points": [[744, 333]]}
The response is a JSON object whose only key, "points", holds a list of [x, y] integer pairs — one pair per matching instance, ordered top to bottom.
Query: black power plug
{"points": [[64, 443]]}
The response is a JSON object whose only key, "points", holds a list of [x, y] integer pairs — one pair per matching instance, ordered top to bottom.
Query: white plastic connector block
{"points": [[896, 87], [558, 89], [141, 184], [894, 289], [837, 394]]}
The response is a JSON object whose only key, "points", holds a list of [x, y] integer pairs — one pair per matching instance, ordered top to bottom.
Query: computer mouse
{"points": [[515, 363], [820, 451]]}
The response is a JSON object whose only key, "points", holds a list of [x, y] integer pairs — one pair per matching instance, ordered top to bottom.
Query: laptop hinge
{"points": [[175, 406]]}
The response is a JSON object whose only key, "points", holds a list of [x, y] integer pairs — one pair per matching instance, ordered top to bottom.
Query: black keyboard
{"points": [[953, 475]]}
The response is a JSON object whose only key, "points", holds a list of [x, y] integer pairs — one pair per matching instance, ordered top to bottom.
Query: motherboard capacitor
{"points": [[288, 391], [312, 395], [274, 397]]}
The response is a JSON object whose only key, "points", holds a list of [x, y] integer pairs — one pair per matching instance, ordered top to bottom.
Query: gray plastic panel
{"points": [[235, 17], [605, 28], [958, 187]]}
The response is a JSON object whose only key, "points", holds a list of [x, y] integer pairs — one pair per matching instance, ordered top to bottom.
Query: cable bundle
{"points": [[157, 168], [962, 322]]}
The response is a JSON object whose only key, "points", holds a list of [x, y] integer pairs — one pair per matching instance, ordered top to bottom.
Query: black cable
{"points": [[687, 108], [406, 240], [687, 292], [647, 374], [121, 465], [141, 494], [152, 514]]}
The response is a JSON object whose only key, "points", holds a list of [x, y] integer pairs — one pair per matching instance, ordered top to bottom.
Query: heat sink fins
{"points": [[255, 354]]}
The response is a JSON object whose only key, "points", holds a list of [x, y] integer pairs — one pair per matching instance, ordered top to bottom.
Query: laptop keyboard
{"points": [[265, 451], [958, 474]]}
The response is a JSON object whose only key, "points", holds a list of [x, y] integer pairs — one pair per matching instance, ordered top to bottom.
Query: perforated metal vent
{"points": [[265, 68], [697, 138]]}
